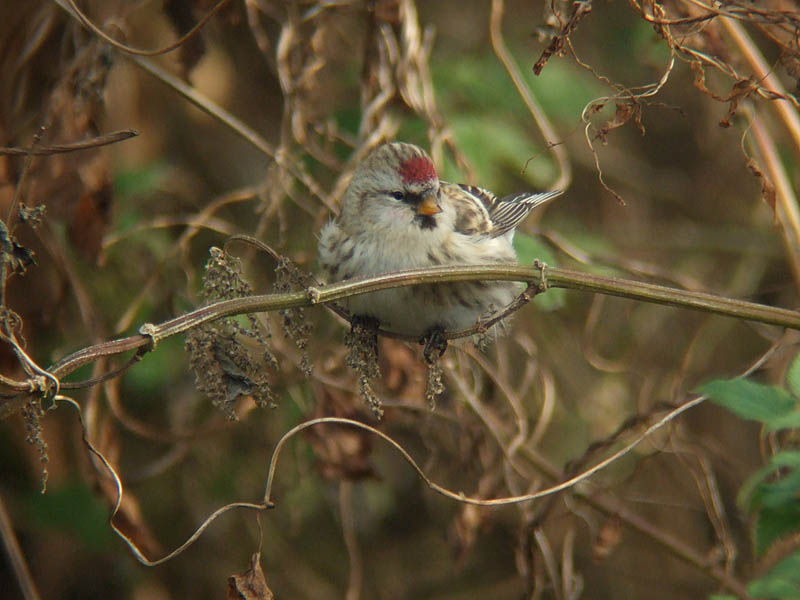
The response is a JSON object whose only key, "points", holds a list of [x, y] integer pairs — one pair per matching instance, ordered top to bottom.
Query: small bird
{"points": [[396, 214]]}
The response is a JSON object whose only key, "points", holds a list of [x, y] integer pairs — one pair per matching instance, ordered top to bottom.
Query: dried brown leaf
{"points": [[579, 11], [626, 110], [768, 192], [608, 538], [250, 585]]}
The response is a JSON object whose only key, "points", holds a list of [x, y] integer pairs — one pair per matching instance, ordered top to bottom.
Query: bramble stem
{"points": [[555, 277]]}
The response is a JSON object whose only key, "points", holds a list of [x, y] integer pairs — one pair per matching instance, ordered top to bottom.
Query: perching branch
{"points": [[540, 276]]}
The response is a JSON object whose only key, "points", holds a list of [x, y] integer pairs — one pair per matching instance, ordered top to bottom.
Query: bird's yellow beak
{"points": [[429, 205]]}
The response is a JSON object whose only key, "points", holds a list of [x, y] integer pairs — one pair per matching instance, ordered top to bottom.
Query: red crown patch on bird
{"points": [[417, 170]]}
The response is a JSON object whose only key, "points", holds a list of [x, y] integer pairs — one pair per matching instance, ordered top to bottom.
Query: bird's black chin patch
{"points": [[425, 221]]}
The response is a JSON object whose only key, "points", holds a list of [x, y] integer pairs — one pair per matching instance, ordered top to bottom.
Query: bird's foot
{"points": [[435, 345]]}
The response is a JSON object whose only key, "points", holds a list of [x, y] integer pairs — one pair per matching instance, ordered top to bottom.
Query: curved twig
{"points": [[73, 8], [267, 502]]}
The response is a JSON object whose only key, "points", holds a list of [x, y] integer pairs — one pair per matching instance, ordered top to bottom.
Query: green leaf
{"points": [[530, 248], [793, 376], [750, 400], [788, 421], [787, 458], [755, 493], [780, 493], [776, 523], [782, 581], [722, 597]]}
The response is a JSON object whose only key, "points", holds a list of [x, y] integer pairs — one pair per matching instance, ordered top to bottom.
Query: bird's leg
{"points": [[365, 322], [435, 345]]}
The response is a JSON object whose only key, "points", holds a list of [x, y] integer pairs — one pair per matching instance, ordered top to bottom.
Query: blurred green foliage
{"points": [[771, 493], [73, 509]]}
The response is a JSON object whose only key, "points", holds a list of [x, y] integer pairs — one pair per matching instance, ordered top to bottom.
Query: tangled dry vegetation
{"points": [[160, 157]]}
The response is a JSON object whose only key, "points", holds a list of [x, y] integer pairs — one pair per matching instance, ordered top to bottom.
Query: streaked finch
{"points": [[396, 214]]}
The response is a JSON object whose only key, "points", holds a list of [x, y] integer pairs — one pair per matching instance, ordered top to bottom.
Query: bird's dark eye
{"points": [[398, 195]]}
